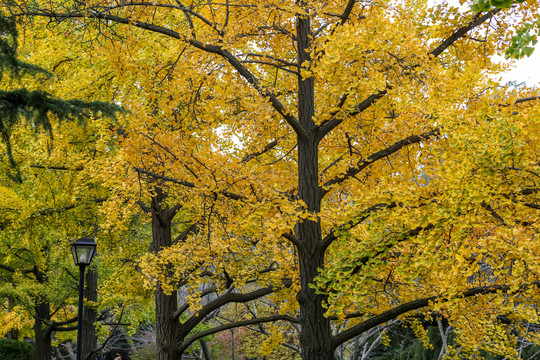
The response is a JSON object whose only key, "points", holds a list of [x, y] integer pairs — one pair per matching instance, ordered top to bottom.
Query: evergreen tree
{"points": [[34, 106]]}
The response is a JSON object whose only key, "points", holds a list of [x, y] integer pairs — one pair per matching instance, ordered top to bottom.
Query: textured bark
{"points": [[42, 332], [13, 333], [167, 334], [315, 334], [89, 337], [168, 339]]}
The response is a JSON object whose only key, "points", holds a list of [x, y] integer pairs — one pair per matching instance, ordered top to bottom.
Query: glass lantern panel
{"points": [[85, 254]]}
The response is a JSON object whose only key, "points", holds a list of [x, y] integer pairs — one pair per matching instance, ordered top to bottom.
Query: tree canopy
{"points": [[352, 162]]}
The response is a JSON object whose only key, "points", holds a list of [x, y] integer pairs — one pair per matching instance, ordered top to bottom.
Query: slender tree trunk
{"points": [[42, 332], [89, 336], [168, 338], [205, 350]]}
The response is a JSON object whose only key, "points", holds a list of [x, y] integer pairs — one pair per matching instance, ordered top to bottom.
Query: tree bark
{"points": [[42, 332], [13, 333], [315, 334], [89, 336], [168, 339]]}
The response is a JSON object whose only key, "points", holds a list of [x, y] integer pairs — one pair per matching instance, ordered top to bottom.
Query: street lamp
{"points": [[83, 251]]}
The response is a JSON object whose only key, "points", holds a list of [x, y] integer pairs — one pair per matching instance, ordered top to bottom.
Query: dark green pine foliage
{"points": [[35, 107]]}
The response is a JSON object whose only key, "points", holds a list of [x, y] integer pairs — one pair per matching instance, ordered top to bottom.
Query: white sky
{"points": [[525, 70]]}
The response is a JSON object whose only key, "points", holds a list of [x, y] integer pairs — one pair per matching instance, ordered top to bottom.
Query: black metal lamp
{"points": [[83, 251]]}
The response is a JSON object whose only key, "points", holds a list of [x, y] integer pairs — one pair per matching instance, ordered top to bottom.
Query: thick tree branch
{"points": [[180, 7], [347, 12], [98, 15], [280, 30], [462, 31], [214, 49], [269, 57], [280, 67], [251, 79], [526, 99], [521, 100], [334, 121], [267, 148], [361, 165], [80, 168], [188, 184], [532, 206], [51, 211], [493, 213], [363, 215], [192, 229], [401, 238], [293, 239], [8, 268], [229, 297], [418, 304], [185, 307], [55, 324], [237, 324], [69, 328]]}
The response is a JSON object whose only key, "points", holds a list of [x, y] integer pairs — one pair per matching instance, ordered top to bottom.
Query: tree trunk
{"points": [[42, 332], [13, 333], [315, 334], [89, 337], [168, 339], [205, 350]]}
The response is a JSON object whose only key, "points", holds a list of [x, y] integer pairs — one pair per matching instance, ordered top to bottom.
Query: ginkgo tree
{"points": [[137, 136], [362, 151]]}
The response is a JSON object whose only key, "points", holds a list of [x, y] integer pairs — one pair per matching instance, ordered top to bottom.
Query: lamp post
{"points": [[83, 251]]}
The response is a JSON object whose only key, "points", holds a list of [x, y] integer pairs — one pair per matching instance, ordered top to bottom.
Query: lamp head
{"points": [[83, 251]]}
